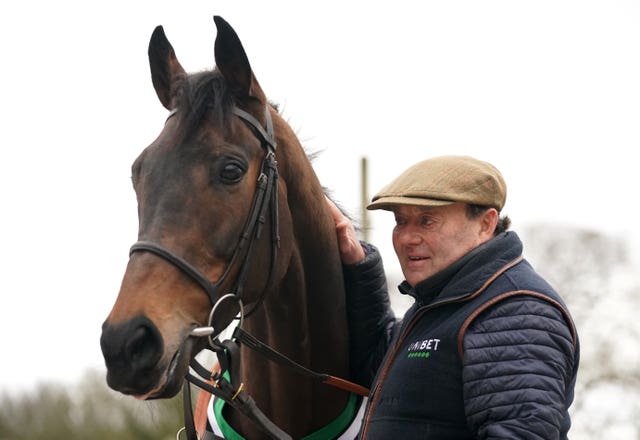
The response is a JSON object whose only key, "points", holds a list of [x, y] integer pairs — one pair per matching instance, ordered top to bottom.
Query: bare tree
{"points": [[595, 276], [88, 410]]}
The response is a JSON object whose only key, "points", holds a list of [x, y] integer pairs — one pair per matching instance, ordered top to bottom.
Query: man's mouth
{"points": [[417, 257]]}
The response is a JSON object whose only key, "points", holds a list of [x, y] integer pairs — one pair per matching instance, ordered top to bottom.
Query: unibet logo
{"points": [[423, 349]]}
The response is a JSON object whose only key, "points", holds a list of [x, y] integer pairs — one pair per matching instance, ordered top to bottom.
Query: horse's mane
{"points": [[205, 94], [200, 95]]}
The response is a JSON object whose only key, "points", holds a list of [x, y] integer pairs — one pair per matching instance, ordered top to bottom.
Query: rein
{"points": [[227, 351]]}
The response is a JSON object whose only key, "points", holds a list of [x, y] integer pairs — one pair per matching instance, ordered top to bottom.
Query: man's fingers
{"points": [[335, 211]]}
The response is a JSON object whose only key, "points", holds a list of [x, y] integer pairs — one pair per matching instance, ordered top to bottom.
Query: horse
{"points": [[204, 213]]}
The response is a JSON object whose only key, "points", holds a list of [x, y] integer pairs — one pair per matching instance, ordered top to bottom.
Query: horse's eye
{"points": [[232, 172]]}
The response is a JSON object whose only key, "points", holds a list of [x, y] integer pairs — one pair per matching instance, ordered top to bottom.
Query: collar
{"points": [[467, 274], [343, 427]]}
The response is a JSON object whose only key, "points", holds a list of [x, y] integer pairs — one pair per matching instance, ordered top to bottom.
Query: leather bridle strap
{"points": [[264, 134], [179, 262], [254, 344], [235, 397]]}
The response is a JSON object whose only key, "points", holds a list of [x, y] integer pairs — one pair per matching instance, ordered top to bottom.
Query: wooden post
{"points": [[364, 198]]}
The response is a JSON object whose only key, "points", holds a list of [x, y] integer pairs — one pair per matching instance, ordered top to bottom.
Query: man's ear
{"points": [[488, 224]]}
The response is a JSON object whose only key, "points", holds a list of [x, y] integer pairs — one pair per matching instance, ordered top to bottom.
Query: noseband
{"points": [[265, 196]]}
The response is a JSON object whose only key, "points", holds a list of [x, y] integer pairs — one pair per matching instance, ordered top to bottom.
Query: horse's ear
{"points": [[233, 63], [165, 67]]}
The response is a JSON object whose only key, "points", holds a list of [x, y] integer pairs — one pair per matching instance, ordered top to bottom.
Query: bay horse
{"points": [[222, 210]]}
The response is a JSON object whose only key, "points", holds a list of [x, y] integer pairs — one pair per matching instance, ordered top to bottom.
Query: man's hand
{"points": [[351, 251]]}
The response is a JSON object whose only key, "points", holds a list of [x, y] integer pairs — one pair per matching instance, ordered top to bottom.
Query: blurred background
{"points": [[547, 91]]}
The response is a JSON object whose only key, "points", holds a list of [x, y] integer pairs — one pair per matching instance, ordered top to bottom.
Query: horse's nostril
{"points": [[131, 347], [144, 347]]}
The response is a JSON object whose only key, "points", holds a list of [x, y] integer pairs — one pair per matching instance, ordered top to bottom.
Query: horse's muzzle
{"points": [[132, 351]]}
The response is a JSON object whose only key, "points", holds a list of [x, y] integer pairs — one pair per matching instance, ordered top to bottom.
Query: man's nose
{"points": [[411, 235]]}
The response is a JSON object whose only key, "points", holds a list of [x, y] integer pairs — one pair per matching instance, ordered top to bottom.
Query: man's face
{"points": [[428, 239]]}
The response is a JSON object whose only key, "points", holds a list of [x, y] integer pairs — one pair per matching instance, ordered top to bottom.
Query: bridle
{"points": [[265, 198]]}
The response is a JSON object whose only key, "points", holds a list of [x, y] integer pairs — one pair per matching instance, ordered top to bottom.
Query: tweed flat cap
{"points": [[442, 181]]}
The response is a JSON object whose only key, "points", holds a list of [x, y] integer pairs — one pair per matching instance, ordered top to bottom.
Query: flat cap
{"points": [[442, 181]]}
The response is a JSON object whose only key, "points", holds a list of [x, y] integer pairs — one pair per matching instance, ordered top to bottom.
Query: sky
{"points": [[547, 91]]}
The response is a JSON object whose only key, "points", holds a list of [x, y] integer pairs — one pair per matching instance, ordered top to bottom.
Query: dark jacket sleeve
{"points": [[369, 313], [518, 371]]}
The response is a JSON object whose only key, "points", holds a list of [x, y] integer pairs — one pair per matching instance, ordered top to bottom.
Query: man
{"points": [[488, 350]]}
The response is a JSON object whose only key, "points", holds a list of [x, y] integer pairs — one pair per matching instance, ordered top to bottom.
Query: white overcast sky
{"points": [[548, 91]]}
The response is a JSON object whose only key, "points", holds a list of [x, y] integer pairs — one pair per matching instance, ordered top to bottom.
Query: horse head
{"points": [[194, 185], [214, 206]]}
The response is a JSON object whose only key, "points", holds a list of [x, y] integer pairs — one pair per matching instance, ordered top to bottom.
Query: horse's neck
{"points": [[322, 286], [305, 315], [305, 319]]}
